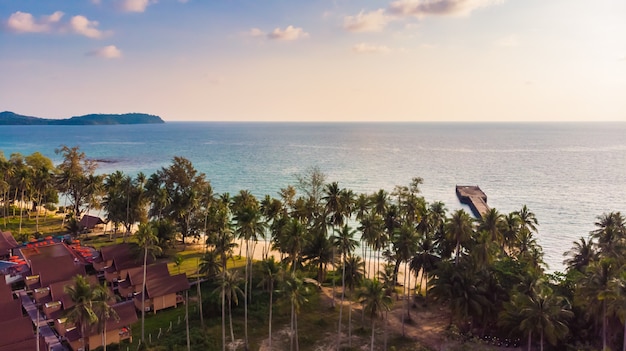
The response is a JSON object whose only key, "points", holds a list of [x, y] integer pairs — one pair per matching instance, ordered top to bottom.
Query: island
{"points": [[10, 118]]}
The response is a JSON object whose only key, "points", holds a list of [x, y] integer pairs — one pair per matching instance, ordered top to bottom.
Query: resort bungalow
{"points": [[90, 222], [107, 253], [116, 260], [46, 270], [132, 283], [163, 292], [57, 299], [117, 330], [18, 335]]}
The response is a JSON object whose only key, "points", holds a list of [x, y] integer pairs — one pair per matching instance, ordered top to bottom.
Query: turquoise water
{"points": [[566, 173]]}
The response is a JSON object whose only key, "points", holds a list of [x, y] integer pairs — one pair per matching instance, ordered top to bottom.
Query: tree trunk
{"points": [[343, 293], [143, 295], [405, 296], [200, 297], [245, 299], [223, 311], [295, 315], [187, 319], [349, 322], [270, 323], [604, 325], [373, 329], [292, 331], [104, 336], [385, 338], [530, 338], [541, 338], [624, 342]]}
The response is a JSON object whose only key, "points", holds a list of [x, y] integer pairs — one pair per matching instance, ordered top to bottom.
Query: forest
{"points": [[487, 273]]}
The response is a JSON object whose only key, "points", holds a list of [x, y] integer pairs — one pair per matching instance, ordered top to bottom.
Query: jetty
{"points": [[474, 198]]}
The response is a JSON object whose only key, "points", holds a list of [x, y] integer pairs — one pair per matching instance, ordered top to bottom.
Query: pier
{"points": [[474, 198]]}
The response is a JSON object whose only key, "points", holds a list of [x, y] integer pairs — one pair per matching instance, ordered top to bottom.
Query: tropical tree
{"points": [[74, 178], [459, 229], [610, 234], [147, 240], [344, 241], [404, 244], [580, 255], [271, 271], [354, 273], [295, 289], [229, 290], [375, 300], [103, 310], [82, 314]]}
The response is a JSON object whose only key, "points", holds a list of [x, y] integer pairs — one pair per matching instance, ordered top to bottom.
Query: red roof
{"points": [[90, 222], [7, 242]]}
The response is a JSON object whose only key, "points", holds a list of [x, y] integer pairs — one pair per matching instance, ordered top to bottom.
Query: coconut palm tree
{"points": [[492, 222], [459, 229], [610, 233], [147, 240], [345, 244], [404, 244], [580, 255], [210, 265], [271, 271], [355, 272], [229, 290], [295, 290], [375, 300], [103, 310], [82, 314]]}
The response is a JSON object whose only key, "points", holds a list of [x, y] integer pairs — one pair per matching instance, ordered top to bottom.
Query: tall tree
{"points": [[74, 178], [459, 229], [147, 240], [344, 241], [404, 244], [271, 271], [230, 291], [375, 300], [103, 310], [82, 314]]}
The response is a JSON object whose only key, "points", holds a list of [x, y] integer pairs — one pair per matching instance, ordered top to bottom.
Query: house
{"points": [[90, 222], [115, 260], [46, 270], [132, 283], [162, 292], [57, 299], [117, 330], [18, 335]]}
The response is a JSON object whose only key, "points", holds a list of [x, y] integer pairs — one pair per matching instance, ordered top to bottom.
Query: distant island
{"points": [[10, 118]]}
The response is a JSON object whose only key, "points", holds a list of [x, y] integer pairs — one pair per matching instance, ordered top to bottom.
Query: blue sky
{"points": [[272, 60]]}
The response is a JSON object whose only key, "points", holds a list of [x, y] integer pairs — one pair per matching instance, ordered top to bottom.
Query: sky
{"points": [[316, 60]]}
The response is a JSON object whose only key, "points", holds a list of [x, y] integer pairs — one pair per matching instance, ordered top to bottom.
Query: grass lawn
{"points": [[48, 225]]}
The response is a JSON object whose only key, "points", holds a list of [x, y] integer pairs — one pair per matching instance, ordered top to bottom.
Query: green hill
{"points": [[10, 118]]}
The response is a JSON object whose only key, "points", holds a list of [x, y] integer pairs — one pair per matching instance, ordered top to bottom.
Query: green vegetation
{"points": [[10, 118], [485, 279]]}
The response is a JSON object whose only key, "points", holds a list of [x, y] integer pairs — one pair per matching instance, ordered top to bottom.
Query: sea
{"points": [[566, 173]]}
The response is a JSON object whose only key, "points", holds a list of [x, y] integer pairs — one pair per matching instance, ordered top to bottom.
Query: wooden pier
{"points": [[474, 198]]}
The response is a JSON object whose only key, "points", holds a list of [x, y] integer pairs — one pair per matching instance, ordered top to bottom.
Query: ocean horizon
{"points": [[566, 173]]}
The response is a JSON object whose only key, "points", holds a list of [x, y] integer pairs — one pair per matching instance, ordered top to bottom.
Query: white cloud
{"points": [[134, 5], [422, 8], [373, 21], [24, 22], [83, 26], [255, 32], [289, 33], [507, 42], [365, 48], [107, 52]]}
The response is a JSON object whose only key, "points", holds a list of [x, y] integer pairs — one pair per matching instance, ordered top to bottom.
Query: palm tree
{"points": [[528, 220], [493, 223], [459, 229], [611, 230], [147, 240], [345, 244], [404, 244], [580, 255], [425, 259], [210, 265], [271, 270], [355, 272], [228, 288], [295, 290], [375, 300], [618, 301], [103, 310], [542, 313], [82, 314]]}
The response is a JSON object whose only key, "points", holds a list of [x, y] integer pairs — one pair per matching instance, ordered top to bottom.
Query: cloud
{"points": [[134, 5], [423, 8], [373, 21], [24, 22], [81, 25], [255, 32], [288, 34], [365, 48], [107, 52]]}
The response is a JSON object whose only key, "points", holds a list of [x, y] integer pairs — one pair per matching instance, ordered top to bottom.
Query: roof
{"points": [[90, 222], [7, 242], [111, 251], [55, 269], [153, 271], [167, 285], [57, 290], [5, 292], [10, 309], [126, 315], [16, 330], [26, 345]]}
